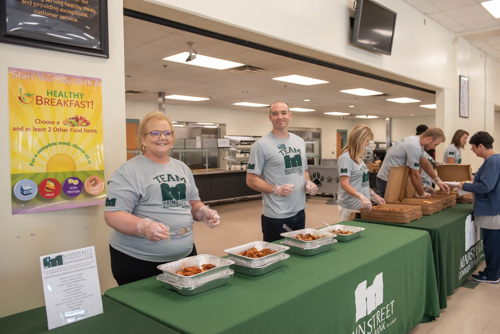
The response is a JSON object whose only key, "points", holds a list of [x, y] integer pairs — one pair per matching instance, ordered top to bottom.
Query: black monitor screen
{"points": [[374, 26]]}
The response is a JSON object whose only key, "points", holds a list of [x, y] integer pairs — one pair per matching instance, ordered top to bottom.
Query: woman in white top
{"points": [[453, 154], [354, 191]]}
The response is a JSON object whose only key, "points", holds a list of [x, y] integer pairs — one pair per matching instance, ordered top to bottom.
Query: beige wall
{"points": [[24, 238]]}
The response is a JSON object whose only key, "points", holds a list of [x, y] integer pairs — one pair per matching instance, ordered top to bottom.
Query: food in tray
{"points": [[387, 209], [342, 232], [308, 237], [254, 253], [190, 271]]}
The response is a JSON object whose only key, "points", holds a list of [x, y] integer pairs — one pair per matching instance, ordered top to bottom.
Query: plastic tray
{"points": [[340, 237], [292, 241], [309, 251], [259, 262], [170, 269], [260, 270], [194, 290]]}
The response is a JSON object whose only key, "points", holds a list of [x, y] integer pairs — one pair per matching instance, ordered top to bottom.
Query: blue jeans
{"points": [[381, 185], [273, 227], [491, 242]]}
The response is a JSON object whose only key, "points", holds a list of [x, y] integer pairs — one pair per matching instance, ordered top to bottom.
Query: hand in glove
{"points": [[438, 163], [443, 186], [311, 188], [283, 190], [429, 190], [425, 195], [376, 198], [367, 204], [210, 217], [152, 230]]}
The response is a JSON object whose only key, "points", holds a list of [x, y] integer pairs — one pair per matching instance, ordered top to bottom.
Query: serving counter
{"points": [[216, 185], [456, 247], [383, 280]]}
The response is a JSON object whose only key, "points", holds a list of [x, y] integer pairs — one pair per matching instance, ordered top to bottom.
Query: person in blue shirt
{"points": [[486, 188]]}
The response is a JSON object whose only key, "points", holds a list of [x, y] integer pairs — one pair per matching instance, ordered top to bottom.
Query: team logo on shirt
{"points": [[451, 153], [293, 159], [416, 164], [251, 166], [343, 170], [365, 181], [173, 191], [110, 202]]}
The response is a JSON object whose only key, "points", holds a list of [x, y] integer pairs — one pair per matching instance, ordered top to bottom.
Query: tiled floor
{"points": [[471, 310]]}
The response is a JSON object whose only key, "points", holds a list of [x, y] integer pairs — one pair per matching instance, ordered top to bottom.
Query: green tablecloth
{"points": [[448, 232], [310, 294], [115, 319]]}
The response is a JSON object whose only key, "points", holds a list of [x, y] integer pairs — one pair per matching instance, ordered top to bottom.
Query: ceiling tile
{"points": [[452, 4], [427, 8], [466, 10], [439, 16], [475, 18], [481, 25]]}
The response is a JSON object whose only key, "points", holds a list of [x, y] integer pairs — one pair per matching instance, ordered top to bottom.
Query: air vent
{"points": [[247, 69], [133, 92]]}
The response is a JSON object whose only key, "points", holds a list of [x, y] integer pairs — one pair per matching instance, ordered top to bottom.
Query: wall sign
{"points": [[77, 26], [464, 97], [56, 141]]}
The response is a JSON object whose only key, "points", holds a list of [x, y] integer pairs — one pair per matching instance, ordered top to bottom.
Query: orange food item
{"points": [[342, 232], [308, 237], [254, 253], [190, 271]]}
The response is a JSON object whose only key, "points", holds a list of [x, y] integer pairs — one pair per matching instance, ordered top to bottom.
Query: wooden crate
{"points": [[404, 213]]}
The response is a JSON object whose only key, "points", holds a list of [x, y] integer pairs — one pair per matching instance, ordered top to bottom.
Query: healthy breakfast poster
{"points": [[56, 141]]}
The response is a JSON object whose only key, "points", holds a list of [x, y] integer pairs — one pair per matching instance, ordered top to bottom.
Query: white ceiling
{"points": [[466, 18], [147, 43]]}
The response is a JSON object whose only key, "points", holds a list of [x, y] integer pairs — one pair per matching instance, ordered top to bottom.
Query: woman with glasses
{"points": [[453, 154], [486, 189], [354, 191], [148, 198]]}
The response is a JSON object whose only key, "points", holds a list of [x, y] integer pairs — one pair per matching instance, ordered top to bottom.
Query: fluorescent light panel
{"points": [[493, 7], [203, 61], [300, 80], [361, 92], [186, 98], [403, 100], [250, 104], [428, 106], [302, 109], [337, 113], [366, 116]]}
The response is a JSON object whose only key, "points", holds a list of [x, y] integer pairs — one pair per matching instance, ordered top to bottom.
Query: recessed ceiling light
{"points": [[493, 7], [203, 61], [300, 80], [361, 92], [186, 98], [307, 100], [403, 100], [250, 104], [351, 106], [429, 106], [302, 109], [337, 113], [412, 114], [366, 116], [206, 123], [179, 125], [211, 126]]}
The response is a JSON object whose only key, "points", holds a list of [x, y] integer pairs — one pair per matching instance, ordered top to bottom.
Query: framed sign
{"points": [[77, 26], [464, 97]]}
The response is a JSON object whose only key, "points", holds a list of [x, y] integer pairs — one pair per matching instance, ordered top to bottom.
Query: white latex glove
{"points": [[438, 163], [443, 186], [311, 188], [283, 190], [429, 190], [425, 195], [376, 198], [367, 204], [210, 217], [151, 230]]}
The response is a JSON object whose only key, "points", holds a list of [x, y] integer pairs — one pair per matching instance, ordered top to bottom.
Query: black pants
{"points": [[273, 227], [128, 269]]}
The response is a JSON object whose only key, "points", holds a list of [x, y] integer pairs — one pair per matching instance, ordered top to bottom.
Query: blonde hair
{"points": [[152, 117], [360, 133], [435, 133]]}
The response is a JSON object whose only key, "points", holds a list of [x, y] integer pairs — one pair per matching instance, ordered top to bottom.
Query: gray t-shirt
{"points": [[406, 152], [452, 152], [279, 161], [359, 179], [426, 179], [159, 192]]}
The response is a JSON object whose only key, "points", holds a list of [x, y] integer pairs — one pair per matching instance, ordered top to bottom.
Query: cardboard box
{"points": [[373, 167], [456, 173], [400, 190], [449, 199], [394, 213]]}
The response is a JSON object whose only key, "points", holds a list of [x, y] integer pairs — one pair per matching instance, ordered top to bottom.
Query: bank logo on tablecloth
{"points": [[473, 249], [370, 302]]}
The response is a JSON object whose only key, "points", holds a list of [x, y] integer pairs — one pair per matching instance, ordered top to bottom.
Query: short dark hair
{"points": [[421, 129], [456, 137], [482, 137]]}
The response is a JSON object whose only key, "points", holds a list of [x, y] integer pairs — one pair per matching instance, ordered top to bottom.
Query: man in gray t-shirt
{"points": [[410, 152], [277, 168]]}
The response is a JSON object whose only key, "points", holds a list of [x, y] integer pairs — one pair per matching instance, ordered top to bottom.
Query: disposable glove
{"points": [[438, 163], [443, 186], [311, 188], [283, 190], [429, 190], [425, 195], [376, 198], [367, 204], [210, 217], [151, 230]]}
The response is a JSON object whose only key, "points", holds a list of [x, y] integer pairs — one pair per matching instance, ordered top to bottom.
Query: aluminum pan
{"points": [[356, 231], [292, 241], [309, 251], [259, 262], [170, 269], [260, 270], [194, 290]]}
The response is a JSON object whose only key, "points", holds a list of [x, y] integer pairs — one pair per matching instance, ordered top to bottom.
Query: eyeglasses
{"points": [[157, 134]]}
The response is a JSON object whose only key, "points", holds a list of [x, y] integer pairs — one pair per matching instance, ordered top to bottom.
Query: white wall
{"points": [[26, 237]]}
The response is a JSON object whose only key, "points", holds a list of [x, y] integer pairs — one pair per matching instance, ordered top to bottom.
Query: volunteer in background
{"points": [[453, 153], [426, 179], [486, 189], [354, 191]]}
